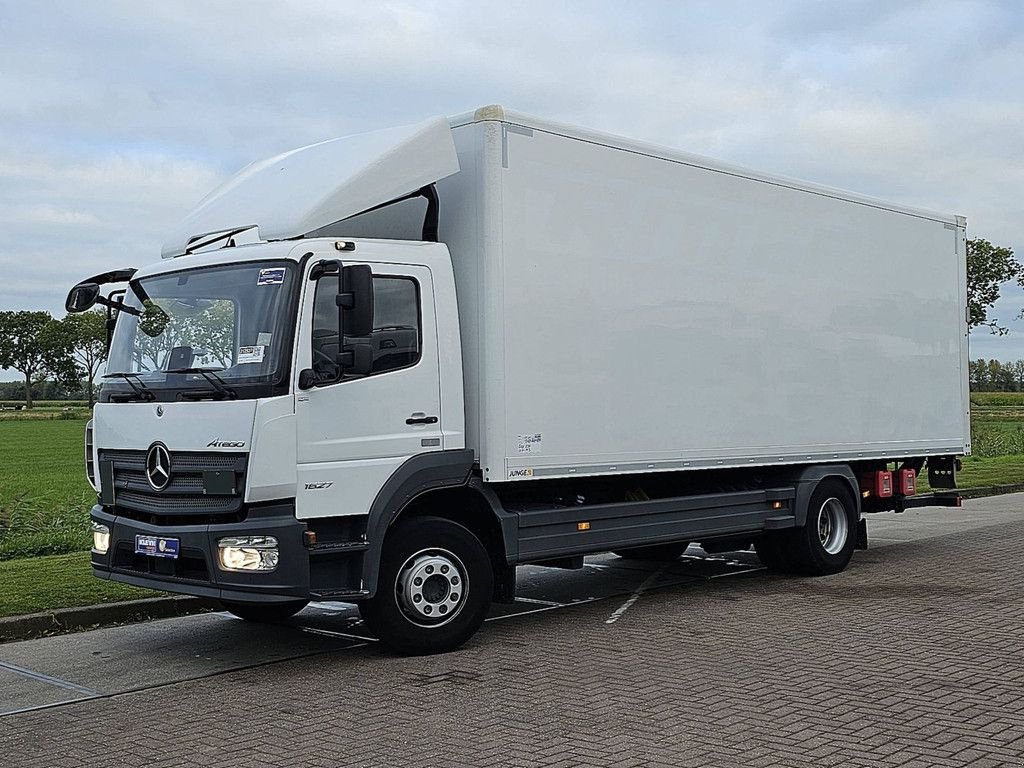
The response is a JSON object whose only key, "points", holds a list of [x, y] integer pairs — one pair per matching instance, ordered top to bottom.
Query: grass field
{"points": [[997, 398], [66, 411], [44, 496], [44, 509], [35, 584]]}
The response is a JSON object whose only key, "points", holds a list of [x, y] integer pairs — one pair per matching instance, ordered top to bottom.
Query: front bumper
{"points": [[195, 570]]}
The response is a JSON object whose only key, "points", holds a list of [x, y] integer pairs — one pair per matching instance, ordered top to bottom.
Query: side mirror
{"points": [[355, 295], [82, 297], [356, 300], [307, 378]]}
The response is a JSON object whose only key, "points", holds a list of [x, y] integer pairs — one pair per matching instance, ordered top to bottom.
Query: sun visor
{"points": [[299, 191]]}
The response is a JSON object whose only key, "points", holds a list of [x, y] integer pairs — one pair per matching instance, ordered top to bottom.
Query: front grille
{"points": [[184, 496]]}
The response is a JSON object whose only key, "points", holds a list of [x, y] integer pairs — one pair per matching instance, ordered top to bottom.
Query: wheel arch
{"points": [[807, 479], [439, 484]]}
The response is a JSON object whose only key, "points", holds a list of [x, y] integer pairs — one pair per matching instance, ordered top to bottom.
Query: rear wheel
{"points": [[825, 544], [772, 551], [660, 553], [434, 587], [264, 613]]}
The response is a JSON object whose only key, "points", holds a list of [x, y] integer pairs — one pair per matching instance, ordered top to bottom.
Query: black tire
{"points": [[825, 544], [428, 545], [772, 549], [658, 553], [264, 613]]}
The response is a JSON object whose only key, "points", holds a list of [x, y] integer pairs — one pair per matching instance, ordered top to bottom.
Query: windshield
{"points": [[234, 320]]}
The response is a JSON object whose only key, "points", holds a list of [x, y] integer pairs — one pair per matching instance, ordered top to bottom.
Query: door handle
{"points": [[419, 418]]}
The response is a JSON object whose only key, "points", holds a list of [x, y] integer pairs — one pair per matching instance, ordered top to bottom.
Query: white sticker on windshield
{"points": [[271, 276], [263, 338], [250, 354]]}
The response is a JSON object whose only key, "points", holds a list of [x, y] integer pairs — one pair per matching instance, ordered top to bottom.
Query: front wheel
{"points": [[434, 587], [264, 613]]}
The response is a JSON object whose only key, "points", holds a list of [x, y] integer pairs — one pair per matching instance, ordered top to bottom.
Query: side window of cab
{"points": [[395, 341]]}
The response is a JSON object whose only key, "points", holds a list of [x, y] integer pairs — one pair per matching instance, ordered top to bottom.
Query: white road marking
{"points": [[737, 573], [539, 602], [541, 609], [618, 612], [333, 633], [31, 674]]}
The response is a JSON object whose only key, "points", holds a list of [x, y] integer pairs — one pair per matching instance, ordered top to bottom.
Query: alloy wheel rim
{"points": [[833, 528], [431, 587]]}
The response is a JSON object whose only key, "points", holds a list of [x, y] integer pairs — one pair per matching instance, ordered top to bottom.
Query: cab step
{"points": [[338, 547], [341, 595]]}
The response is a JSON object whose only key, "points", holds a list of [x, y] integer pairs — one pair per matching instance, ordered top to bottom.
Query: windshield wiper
{"points": [[216, 381], [141, 390]]}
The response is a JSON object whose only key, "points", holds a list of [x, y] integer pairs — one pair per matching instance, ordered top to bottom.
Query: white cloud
{"points": [[115, 117], [47, 214]]}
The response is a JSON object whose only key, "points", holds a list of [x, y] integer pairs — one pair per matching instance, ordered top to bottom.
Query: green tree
{"points": [[988, 267], [208, 329], [211, 333], [85, 334], [32, 344], [978, 374], [994, 374], [1018, 374], [1005, 380]]}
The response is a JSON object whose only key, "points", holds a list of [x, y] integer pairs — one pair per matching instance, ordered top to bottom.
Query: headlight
{"points": [[100, 538], [247, 553]]}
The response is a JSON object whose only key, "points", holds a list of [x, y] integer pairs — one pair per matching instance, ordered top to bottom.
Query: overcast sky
{"points": [[116, 117]]}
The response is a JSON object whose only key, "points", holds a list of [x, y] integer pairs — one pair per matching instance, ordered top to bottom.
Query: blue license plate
{"points": [[156, 546]]}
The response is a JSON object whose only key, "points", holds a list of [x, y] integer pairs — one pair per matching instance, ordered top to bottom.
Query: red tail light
{"points": [[908, 482], [878, 484], [883, 484]]}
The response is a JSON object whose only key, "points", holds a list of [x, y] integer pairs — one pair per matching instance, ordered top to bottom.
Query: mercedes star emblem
{"points": [[158, 466]]}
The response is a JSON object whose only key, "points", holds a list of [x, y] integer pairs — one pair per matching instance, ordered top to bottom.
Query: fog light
{"points": [[100, 539], [247, 553]]}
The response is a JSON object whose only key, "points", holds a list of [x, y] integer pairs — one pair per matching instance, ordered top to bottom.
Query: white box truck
{"points": [[389, 368]]}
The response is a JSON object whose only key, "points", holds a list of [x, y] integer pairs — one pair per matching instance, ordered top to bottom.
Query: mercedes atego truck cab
{"points": [[228, 379]]}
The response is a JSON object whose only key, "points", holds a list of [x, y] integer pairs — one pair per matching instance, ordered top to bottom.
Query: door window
{"points": [[396, 339]]}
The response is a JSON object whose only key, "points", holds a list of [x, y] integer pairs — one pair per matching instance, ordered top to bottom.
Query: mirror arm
{"points": [[325, 267], [111, 304], [118, 305]]}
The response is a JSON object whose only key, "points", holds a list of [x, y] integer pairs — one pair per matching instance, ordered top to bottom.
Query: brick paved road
{"points": [[913, 657]]}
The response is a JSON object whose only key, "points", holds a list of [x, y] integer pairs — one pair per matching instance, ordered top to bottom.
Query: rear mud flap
{"points": [[862, 534]]}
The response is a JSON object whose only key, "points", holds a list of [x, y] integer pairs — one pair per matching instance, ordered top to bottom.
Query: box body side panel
{"points": [[655, 315]]}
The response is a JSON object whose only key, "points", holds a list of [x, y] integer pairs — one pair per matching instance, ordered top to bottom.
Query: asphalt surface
{"points": [[912, 657]]}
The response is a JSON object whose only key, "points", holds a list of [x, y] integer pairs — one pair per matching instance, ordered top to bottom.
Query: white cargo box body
{"points": [[625, 308]]}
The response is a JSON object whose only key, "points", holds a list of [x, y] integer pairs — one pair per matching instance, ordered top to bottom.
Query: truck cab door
{"points": [[354, 433]]}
